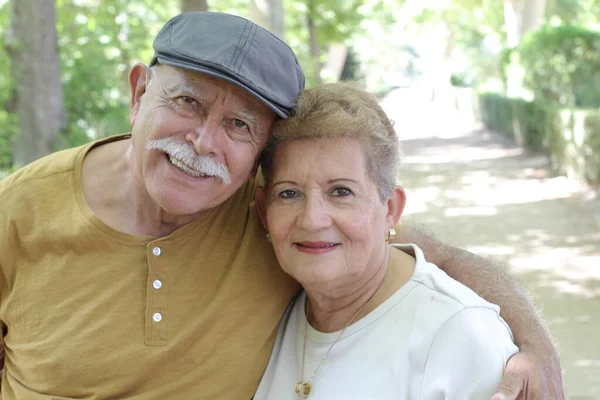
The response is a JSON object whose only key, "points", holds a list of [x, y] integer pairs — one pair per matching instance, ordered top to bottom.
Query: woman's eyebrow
{"points": [[341, 180], [282, 182]]}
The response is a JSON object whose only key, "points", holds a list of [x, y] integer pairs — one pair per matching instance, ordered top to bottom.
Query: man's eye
{"points": [[189, 100], [240, 124], [341, 191], [288, 194]]}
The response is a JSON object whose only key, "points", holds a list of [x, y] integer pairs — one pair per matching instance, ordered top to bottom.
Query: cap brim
{"points": [[282, 112]]}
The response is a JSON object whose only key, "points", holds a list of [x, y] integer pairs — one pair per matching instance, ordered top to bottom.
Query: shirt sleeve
{"points": [[467, 357]]}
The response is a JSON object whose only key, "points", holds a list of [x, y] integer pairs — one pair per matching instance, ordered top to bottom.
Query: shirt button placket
{"points": [[156, 296]]}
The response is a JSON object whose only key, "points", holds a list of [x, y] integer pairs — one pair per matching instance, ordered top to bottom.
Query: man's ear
{"points": [[137, 84], [261, 205], [395, 205]]}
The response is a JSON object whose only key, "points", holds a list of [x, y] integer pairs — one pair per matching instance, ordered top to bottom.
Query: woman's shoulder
{"points": [[439, 287], [437, 301], [461, 333]]}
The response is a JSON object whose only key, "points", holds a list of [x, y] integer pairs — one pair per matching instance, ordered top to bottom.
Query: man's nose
{"points": [[206, 137], [314, 214]]}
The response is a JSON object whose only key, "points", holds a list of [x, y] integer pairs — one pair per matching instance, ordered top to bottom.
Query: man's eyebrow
{"points": [[183, 87], [250, 116]]}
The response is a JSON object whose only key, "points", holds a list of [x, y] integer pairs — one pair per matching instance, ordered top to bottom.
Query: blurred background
{"points": [[497, 103]]}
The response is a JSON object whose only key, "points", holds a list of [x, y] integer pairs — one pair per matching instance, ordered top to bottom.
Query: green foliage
{"points": [[573, 12], [469, 21], [335, 22], [475, 33], [99, 41], [506, 60], [562, 65], [461, 80], [496, 113], [8, 121], [524, 121], [8, 130], [571, 137], [591, 149]]}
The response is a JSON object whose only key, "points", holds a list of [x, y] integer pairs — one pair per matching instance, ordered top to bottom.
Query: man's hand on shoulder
{"points": [[532, 374]]}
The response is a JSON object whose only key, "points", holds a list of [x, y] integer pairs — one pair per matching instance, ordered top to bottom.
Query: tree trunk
{"points": [[194, 5], [270, 15], [532, 15], [522, 16], [277, 18], [511, 23], [315, 50], [336, 59], [36, 69]]}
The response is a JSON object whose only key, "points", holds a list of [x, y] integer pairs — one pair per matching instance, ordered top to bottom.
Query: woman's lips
{"points": [[316, 247]]}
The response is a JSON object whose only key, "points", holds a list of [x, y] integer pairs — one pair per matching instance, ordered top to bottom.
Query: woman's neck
{"points": [[328, 313]]}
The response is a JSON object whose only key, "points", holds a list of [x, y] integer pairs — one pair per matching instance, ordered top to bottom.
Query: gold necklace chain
{"points": [[304, 388]]}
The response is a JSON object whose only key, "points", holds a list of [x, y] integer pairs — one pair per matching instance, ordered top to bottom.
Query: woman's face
{"points": [[323, 212]]}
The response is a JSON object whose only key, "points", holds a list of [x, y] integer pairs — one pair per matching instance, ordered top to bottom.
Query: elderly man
{"points": [[136, 267]]}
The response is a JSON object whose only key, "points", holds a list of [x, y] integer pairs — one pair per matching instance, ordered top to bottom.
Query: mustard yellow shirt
{"points": [[89, 312]]}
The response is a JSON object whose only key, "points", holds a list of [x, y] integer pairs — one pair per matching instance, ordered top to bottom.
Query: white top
{"points": [[432, 339]]}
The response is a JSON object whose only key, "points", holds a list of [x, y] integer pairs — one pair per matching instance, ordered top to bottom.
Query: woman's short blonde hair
{"points": [[342, 110]]}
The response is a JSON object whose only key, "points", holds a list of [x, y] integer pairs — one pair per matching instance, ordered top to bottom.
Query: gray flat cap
{"points": [[236, 50]]}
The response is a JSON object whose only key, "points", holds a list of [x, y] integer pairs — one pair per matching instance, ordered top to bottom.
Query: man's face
{"points": [[196, 138]]}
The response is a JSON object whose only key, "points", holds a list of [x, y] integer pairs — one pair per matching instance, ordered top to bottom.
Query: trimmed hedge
{"points": [[561, 65], [8, 130], [570, 137]]}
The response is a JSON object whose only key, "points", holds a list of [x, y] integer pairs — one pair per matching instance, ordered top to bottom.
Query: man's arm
{"points": [[2, 355], [536, 369]]}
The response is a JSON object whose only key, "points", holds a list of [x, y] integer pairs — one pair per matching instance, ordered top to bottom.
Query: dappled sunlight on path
{"points": [[477, 190]]}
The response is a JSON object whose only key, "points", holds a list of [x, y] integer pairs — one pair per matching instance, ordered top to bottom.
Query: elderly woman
{"points": [[373, 322]]}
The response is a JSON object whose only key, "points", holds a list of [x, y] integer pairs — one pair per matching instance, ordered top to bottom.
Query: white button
{"points": [[156, 251], [157, 284], [157, 317]]}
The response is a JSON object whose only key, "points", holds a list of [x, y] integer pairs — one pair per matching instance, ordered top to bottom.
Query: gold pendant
{"points": [[303, 389]]}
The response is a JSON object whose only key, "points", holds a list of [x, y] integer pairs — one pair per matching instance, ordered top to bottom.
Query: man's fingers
{"points": [[510, 387], [502, 396]]}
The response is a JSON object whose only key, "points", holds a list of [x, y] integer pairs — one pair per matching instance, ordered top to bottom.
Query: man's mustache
{"points": [[187, 155]]}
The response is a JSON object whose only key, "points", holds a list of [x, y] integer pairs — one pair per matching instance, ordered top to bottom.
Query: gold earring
{"points": [[391, 234], [269, 238]]}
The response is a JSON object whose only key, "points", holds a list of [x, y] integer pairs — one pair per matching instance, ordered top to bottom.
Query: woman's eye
{"points": [[341, 191], [288, 194]]}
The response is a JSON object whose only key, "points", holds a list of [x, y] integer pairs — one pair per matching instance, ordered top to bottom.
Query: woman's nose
{"points": [[314, 214]]}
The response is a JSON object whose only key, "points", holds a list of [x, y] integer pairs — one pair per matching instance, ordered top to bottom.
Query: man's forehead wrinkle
{"points": [[193, 79], [180, 81], [177, 85]]}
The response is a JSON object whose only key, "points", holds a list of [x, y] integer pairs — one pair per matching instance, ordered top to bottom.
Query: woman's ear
{"points": [[395, 204], [261, 205]]}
